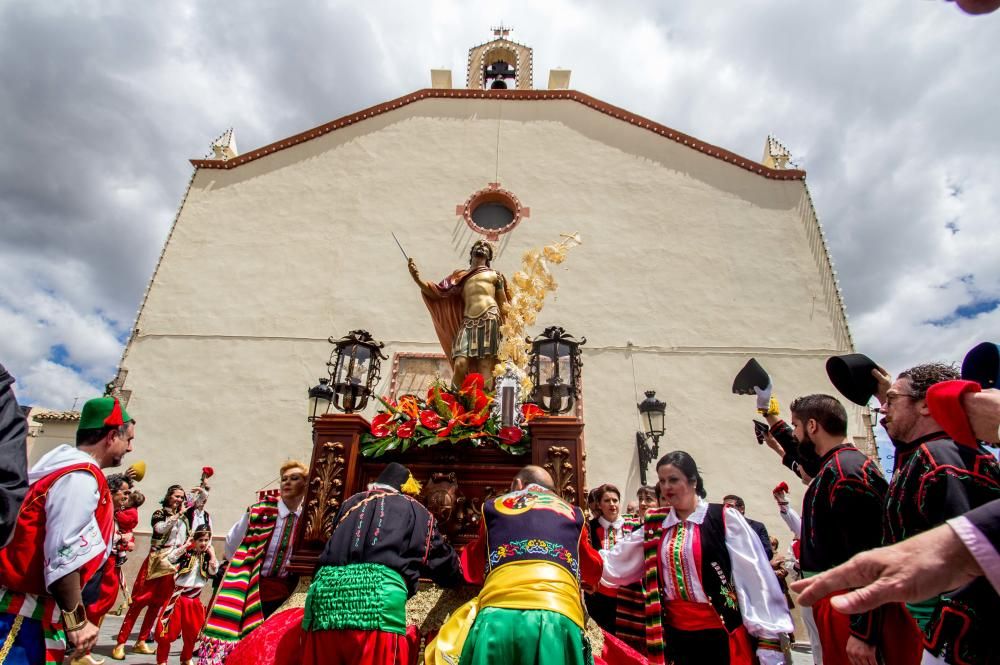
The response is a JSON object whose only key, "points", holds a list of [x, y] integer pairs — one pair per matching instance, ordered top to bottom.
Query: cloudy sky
{"points": [[891, 107]]}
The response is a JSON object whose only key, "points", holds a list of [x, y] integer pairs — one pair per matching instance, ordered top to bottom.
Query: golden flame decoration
{"points": [[529, 285]]}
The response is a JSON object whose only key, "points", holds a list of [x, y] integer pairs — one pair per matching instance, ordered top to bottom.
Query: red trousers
{"points": [[150, 594], [186, 619], [901, 643], [361, 647]]}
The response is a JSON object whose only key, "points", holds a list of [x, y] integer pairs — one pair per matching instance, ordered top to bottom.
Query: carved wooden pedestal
{"points": [[557, 447], [470, 476], [332, 478]]}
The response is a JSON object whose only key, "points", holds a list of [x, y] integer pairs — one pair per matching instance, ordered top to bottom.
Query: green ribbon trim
{"points": [[359, 596], [921, 611]]}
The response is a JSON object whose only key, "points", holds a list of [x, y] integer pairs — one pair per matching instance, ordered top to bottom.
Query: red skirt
{"points": [[691, 617], [277, 641], [361, 647]]}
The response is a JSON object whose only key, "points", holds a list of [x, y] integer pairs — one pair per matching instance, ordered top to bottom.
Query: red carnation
{"points": [[380, 425], [405, 430], [510, 435], [207, 472], [781, 488]]}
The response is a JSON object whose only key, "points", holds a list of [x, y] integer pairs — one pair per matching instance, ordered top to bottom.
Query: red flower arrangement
{"points": [[444, 415]]}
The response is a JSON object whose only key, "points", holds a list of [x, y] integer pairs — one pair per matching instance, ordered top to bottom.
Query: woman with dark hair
{"points": [[647, 497], [606, 529], [155, 581], [710, 591]]}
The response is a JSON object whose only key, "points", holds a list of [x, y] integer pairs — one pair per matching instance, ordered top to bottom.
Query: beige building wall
{"points": [[690, 265], [49, 429]]}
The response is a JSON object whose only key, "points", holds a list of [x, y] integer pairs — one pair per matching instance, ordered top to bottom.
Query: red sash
{"points": [[22, 561]]}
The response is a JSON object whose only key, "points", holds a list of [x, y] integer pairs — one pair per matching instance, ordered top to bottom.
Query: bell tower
{"points": [[500, 64]]}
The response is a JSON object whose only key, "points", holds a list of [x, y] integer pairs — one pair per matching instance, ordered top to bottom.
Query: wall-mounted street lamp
{"points": [[652, 413]]}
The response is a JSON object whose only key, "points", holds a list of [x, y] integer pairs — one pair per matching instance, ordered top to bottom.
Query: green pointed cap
{"points": [[101, 412]]}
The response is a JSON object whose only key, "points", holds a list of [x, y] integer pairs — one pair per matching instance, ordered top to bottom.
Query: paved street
{"points": [[106, 642]]}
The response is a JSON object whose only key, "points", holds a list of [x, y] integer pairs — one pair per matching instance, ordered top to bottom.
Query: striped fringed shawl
{"points": [[651, 584], [236, 609]]}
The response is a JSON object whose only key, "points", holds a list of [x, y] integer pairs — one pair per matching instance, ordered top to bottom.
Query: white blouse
{"points": [[613, 531], [762, 605]]}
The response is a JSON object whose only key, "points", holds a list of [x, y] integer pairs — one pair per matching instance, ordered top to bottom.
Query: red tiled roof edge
{"points": [[523, 95]]}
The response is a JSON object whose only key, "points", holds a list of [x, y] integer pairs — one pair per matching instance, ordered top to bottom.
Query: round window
{"points": [[493, 211], [492, 216]]}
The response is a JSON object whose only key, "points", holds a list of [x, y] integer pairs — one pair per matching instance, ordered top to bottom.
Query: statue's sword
{"points": [[400, 247]]}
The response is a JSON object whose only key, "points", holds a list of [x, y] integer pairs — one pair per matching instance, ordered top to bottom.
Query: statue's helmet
{"points": [[482, 248]]}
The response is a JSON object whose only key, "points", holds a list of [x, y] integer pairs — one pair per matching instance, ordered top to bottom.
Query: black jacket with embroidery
{"points": [[937, 479], [841, 517], [386, 527]]}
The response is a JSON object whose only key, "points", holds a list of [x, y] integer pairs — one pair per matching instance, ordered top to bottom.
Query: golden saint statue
{"points": [[467, 310]]}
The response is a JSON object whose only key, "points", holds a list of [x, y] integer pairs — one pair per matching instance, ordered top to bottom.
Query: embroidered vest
{"points": [[532, 525], [157, 541], [22, 562], [716, 575]]}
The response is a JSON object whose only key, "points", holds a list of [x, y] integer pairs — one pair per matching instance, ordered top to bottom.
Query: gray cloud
{"points": [[889, 106]]}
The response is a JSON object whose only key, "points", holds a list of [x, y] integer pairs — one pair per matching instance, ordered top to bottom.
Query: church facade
{"points": [[694, 259]]}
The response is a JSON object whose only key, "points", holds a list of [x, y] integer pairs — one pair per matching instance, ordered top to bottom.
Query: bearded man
{"points": [[467, 309], [842, 516], [62, 537]]}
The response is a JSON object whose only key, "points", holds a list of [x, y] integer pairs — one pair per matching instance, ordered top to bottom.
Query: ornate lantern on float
{"points": [[554, 367], [354, 369], [320, 397], [652, 414]]}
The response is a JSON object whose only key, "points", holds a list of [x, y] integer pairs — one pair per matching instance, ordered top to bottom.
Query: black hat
{"points": [[982, 365], [851, 374], [750, 376], [394, 475]]}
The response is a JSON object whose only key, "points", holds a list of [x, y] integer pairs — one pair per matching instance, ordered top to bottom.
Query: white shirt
{"points": [[198, 517], [792, 520], [609, 528], [239, 530], [72, 535], [762, 605]]}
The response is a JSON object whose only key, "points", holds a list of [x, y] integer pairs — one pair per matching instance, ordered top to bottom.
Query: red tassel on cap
{"points": [[945, 403], [114, 418]]}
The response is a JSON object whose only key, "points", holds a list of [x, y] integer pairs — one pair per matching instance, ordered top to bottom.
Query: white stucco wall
{"points": [[689, 266]]}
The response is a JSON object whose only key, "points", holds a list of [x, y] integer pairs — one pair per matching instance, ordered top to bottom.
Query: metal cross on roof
{"points": [[501, 30]]}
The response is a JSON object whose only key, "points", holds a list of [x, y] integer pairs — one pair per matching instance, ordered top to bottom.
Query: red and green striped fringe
{"points": [[651, 585], [44, 610], [236, 610]]}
